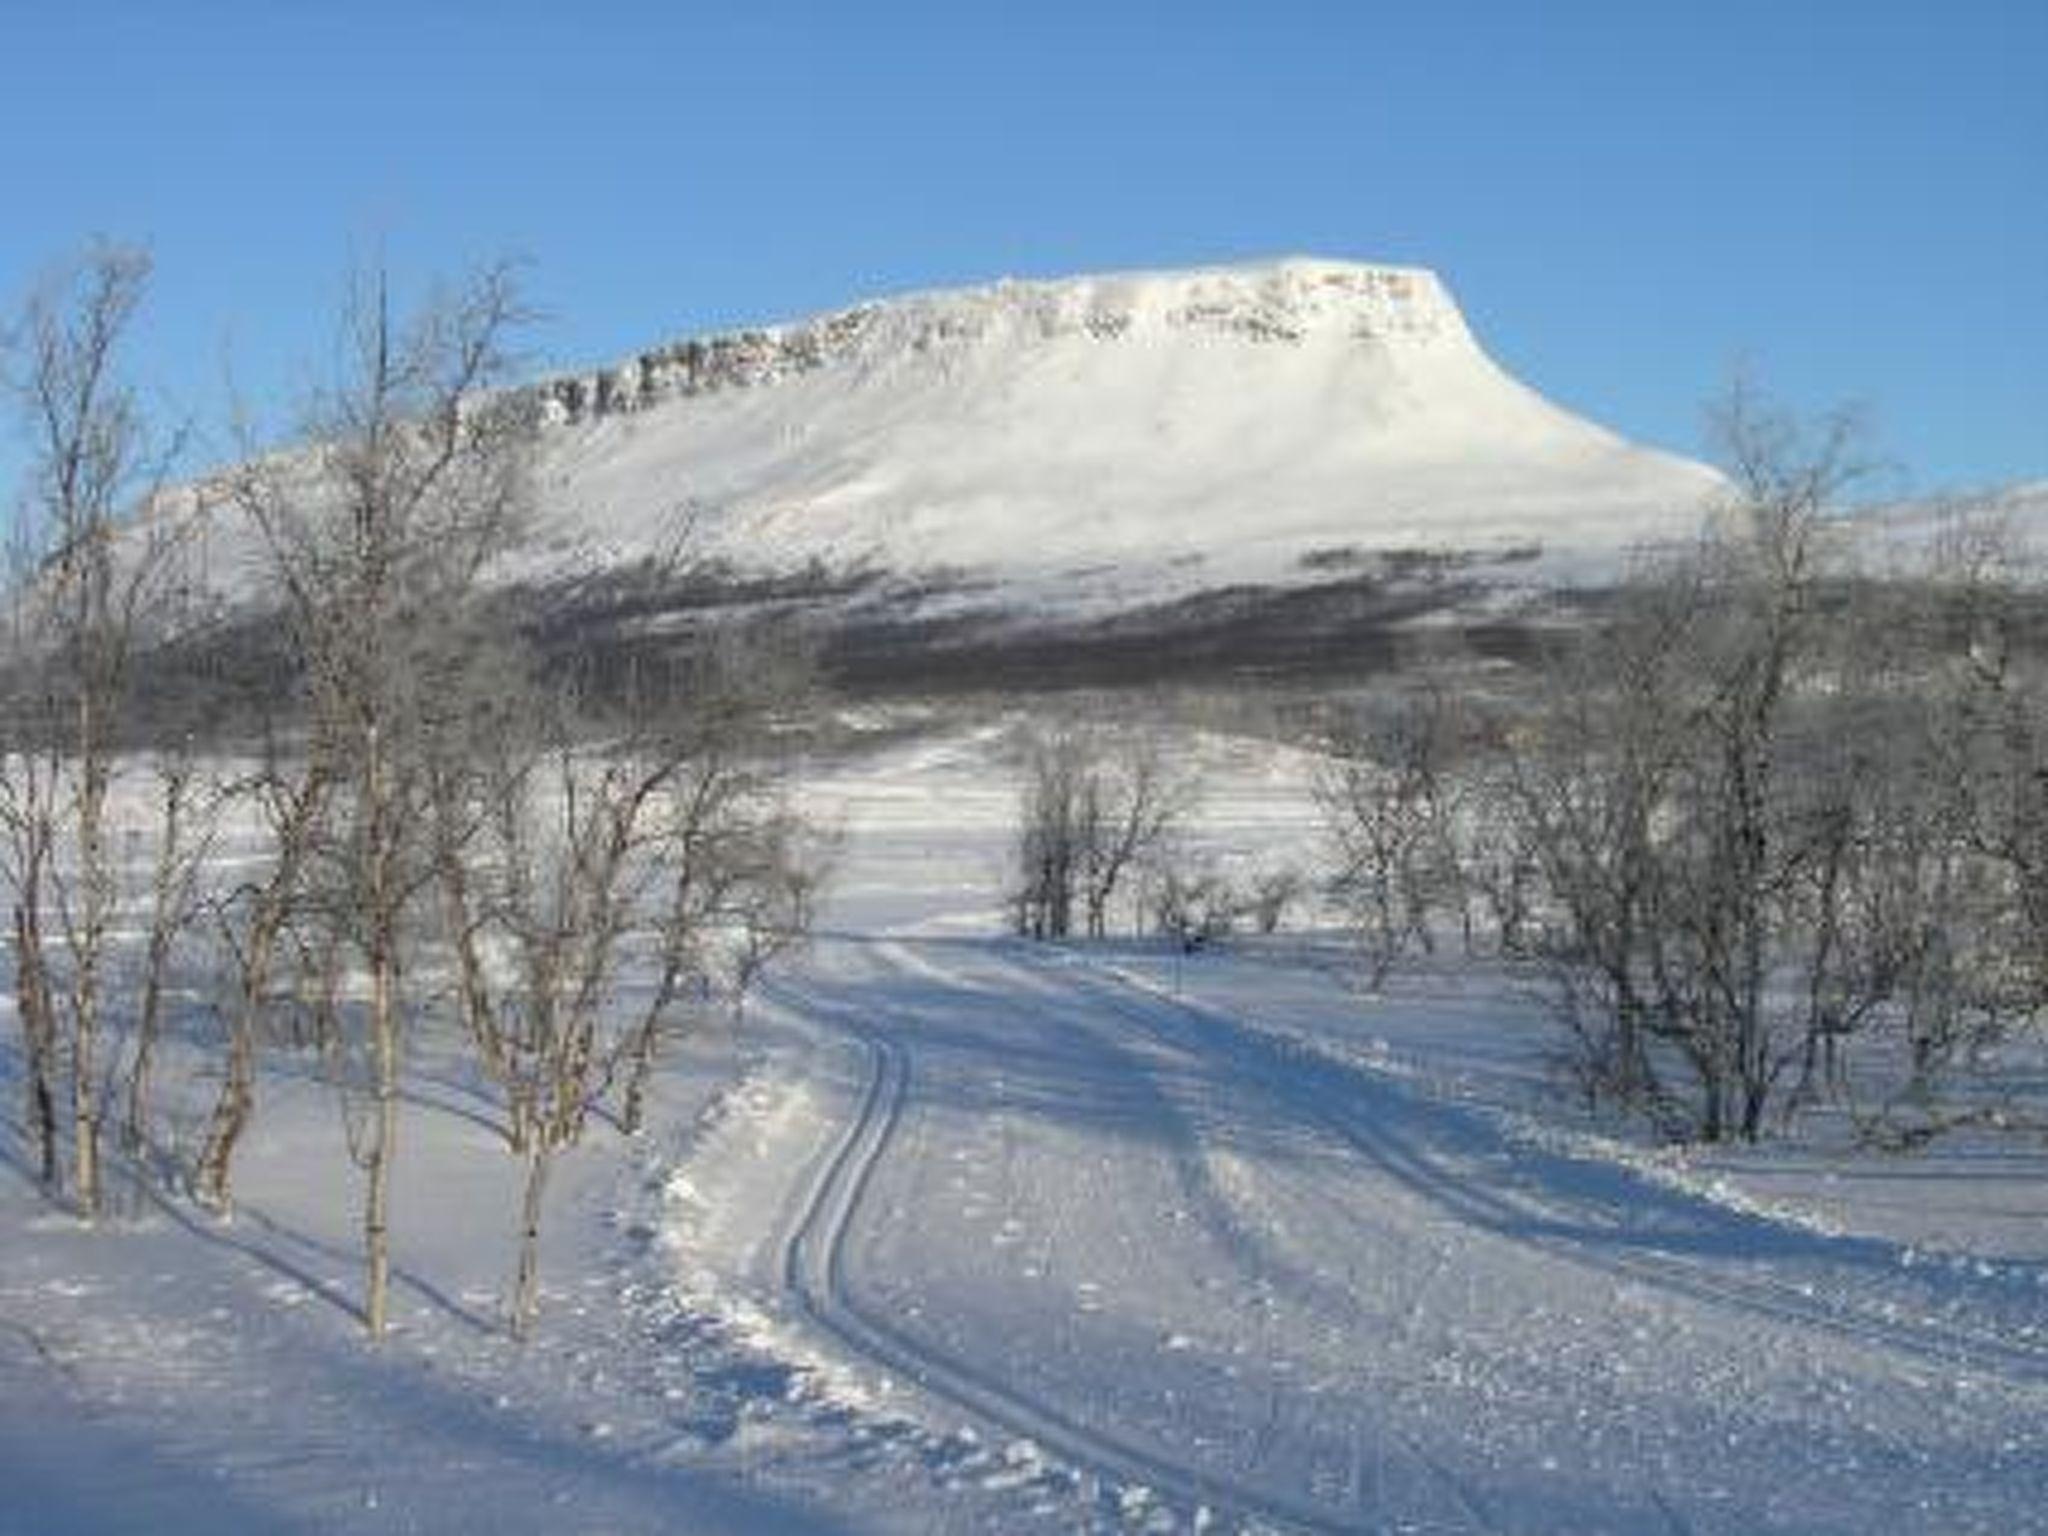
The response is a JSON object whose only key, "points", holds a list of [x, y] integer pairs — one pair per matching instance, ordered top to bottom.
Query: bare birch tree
{"points": [[416, 475], [98, 561], [1585, 783], [1130, 801], [1386, 803], [1094, 804], [28, 814], [186, 825], [648, 837], [1048, 837], [1687, 862], [254, 924]]}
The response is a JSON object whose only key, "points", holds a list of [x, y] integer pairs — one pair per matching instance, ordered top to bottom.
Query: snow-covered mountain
{"points": [[1148, 434]]}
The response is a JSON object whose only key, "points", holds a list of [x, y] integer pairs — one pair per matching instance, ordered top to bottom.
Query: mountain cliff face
{"points": [[1282, 303], [1155, 432]]}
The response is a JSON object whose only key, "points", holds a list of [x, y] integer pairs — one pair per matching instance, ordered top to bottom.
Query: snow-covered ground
{"points": [[956, 1233]]}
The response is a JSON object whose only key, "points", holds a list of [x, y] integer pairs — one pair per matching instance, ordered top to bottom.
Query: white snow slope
{"points": [[1219, 424], [963, 1234]]}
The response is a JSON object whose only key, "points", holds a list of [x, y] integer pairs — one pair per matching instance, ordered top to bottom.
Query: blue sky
{"points": [[1629, 200]]}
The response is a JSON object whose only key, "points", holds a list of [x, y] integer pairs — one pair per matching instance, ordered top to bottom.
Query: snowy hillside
{"points": [[1192, 429], [2014, 517]]}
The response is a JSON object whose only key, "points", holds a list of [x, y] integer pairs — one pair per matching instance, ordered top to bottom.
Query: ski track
{"points": [[1435, 1154], [815, 1273]]}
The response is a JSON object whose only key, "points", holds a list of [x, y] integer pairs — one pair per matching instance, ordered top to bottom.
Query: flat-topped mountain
{"points": [[1133, 435], [1273, 469]]}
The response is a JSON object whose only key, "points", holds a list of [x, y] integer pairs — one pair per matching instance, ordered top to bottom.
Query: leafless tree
{"points": [[416, 475], [99, 558], [1586, 780], [1130, 800], [1095, 803], [1387, 808], [28, 813], [187, 824], [1048, 840], [1677, 840], [587, 842], [1499, 871], [1273, 893], [1193, 903], [254, 924], [1977, 969]]}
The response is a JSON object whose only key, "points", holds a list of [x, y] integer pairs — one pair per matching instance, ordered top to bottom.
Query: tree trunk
{"points": [[165, 915], [85, 1022], [39, 1031], [237, 1101], [231, 1111], [633, 1113], [135, 1124], [85, 1125], [377, 1201], [526, 1286]]}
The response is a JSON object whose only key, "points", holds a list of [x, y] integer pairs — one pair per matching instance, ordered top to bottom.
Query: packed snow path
{"points": [[1179, 1253]]}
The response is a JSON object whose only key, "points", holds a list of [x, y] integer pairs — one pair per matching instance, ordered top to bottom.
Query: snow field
{"points": [[951, 1232]]}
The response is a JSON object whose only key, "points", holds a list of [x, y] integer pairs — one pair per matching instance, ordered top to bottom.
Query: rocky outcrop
{"points": [[1281, 303]]}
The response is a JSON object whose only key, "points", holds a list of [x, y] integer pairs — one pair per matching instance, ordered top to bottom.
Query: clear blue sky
{"points": [[1627, 198]]}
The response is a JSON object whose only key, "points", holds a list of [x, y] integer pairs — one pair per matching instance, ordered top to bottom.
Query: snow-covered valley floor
{"points": [[955, 1233]]}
